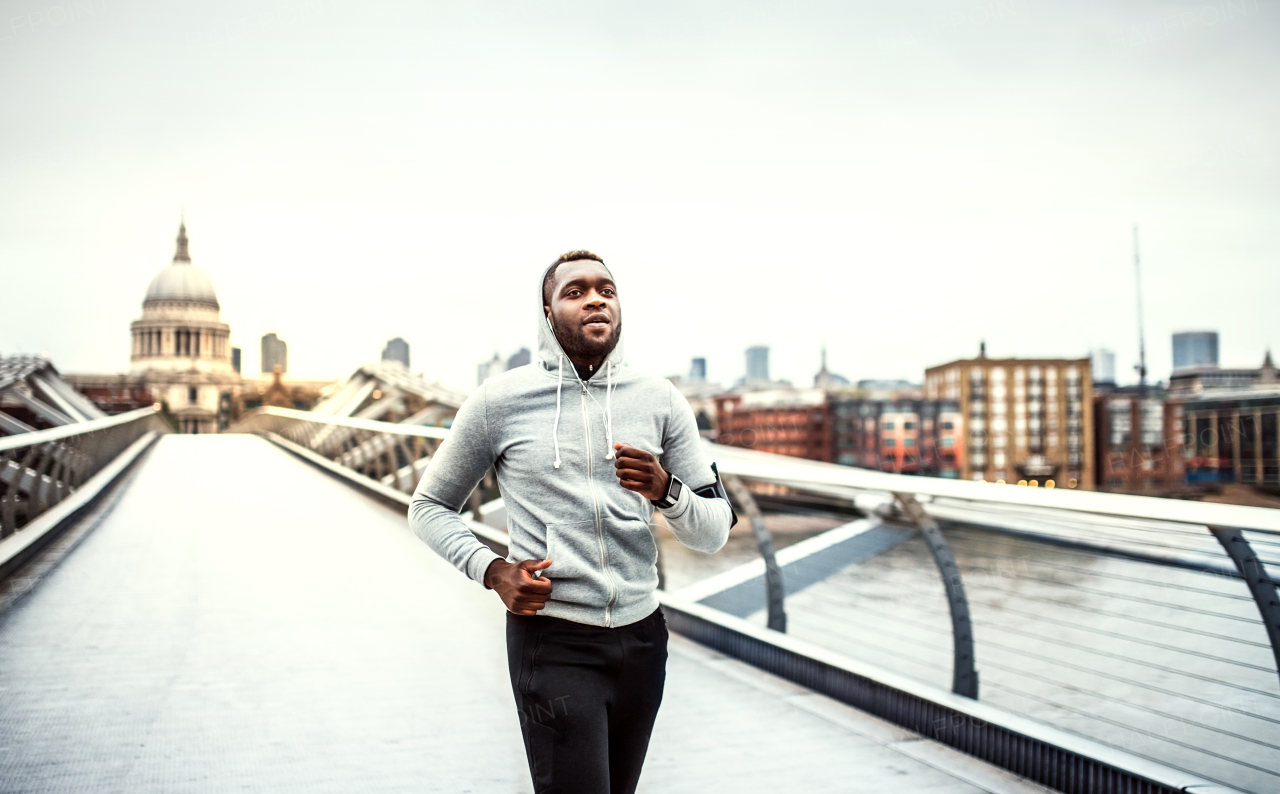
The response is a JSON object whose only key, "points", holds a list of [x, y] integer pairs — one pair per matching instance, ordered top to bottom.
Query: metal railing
{"points": [[394, 455], [41, 468], [1148, 625]]}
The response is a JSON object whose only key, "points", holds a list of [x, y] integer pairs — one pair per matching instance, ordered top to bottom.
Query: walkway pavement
{"points": [[240, 621]]}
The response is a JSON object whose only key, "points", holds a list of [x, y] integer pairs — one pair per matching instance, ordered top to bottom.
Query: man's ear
{"points": [[546, 311]]}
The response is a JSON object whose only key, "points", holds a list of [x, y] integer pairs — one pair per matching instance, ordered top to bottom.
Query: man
{"points": [[584, 449]]}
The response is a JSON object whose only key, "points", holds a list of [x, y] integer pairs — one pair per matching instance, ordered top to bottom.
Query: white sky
{"points": [[897, 180]]}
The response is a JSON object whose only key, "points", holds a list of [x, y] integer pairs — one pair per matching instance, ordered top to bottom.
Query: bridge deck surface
{"points": [[239, 621]]}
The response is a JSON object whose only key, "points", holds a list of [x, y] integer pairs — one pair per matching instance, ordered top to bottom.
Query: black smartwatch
{"points": [[674, 487]]}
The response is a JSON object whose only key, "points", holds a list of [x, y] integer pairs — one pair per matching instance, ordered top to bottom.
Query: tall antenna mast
{"points": [[1142, 342]]}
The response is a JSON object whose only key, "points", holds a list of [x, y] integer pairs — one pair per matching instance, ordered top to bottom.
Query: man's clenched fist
{"points": [[640, 471], [514, 583]]}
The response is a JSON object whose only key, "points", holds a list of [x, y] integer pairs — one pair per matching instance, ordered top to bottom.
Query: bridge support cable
{"points": [[1261, 586], [775, 588], [964, 676]]}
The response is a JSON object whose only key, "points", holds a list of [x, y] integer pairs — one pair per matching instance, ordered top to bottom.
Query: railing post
{"points": [[1255, 576], [775, 589], [964, 678]]}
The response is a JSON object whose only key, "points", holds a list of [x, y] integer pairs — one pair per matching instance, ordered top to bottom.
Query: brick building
{"points": [[1023, 419], [784, 422], [903, 436], [1138, 441]]}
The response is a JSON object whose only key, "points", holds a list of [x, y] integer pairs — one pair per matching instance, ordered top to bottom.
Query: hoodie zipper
{"points": [[595, 502]]}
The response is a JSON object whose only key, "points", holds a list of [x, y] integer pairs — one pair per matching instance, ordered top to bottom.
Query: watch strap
{"points": [[673, 485]]}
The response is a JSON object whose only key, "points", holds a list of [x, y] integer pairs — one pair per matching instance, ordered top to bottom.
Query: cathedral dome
{"points": [[181, 280]]}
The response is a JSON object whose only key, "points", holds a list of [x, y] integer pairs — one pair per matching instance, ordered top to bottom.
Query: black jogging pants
{"points": [[586, 697]]}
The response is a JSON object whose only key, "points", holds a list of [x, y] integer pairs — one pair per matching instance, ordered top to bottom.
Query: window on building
{"points": [[192, 394], [1153, 423], [888, 425], [908, 425], [889, 442], [908, 442], [948, 442]]}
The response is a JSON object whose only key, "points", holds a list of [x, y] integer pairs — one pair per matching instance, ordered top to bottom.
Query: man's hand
{"points": [[640, 471], [515, 584]]}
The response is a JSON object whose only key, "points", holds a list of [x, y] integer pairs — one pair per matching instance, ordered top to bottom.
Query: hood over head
{"points": [[549, 349]]}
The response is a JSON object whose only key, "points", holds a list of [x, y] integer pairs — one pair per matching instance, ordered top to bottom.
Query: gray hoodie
{"points": [[550, 437]]}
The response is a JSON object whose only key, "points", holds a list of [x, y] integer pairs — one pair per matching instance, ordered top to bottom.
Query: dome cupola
{"points": [[181, 281]]}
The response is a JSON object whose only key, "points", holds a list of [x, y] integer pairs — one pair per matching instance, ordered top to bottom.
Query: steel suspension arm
{"points": [[964, 679]]}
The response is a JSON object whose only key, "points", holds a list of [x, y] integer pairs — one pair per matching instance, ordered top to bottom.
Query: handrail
{"points": [[77, 429], [767, 466], [40, 469]]}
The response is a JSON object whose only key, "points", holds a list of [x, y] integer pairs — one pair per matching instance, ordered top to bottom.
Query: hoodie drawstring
{"points": [[608, 409], [555, 429]]}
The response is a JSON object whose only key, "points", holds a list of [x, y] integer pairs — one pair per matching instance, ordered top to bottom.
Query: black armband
{"points": [[716, 491]]}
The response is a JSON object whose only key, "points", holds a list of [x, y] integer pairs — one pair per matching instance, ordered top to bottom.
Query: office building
{"points": [[1195, 349], [396, 350], [275, 353], [520, 358], [758, 364], [489, 369], [698, 370], [1025, 420], [1230, 433], [1138, 440]]}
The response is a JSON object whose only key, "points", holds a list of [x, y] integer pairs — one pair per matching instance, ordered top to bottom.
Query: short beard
{"points": [[577, 345]]}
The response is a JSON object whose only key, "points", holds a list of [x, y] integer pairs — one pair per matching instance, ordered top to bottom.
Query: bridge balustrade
{"points": [[40, 469]]}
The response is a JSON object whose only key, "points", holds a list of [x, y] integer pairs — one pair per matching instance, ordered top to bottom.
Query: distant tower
{"points": [[1142, 334], [1195, 349], [396, 350], [275, 353], [758, 363], [1103, 364], [489, 369], [698, 370]]}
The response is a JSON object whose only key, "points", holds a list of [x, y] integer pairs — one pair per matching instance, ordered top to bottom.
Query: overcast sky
{"points": [[895, 180]]}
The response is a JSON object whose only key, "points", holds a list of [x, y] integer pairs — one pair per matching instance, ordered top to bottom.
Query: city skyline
{"points": [[342, 171]]}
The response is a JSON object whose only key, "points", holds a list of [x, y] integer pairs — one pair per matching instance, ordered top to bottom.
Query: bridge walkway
{"points": [[240, 621]]}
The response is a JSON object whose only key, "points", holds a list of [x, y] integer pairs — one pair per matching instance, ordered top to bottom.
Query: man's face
{"points": [[585, 311]]}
